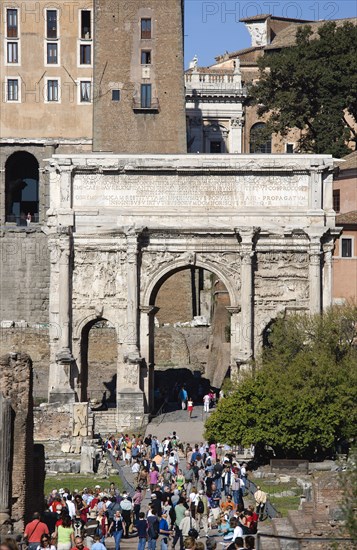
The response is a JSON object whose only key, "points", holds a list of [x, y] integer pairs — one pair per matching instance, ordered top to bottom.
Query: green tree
{"points": [[312, 86], [302, 399]]}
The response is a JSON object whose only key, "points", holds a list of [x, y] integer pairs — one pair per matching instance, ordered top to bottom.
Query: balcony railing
{"points": [[214, 83], [153, 106]]}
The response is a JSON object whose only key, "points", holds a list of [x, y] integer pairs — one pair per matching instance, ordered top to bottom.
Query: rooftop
{"points": [[287, 36], [348, 218]]}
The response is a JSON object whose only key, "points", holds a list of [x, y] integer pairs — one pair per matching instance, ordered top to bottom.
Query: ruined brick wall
{"points": [[24, 275], [34, 341], [16, 385], [52, 422]]}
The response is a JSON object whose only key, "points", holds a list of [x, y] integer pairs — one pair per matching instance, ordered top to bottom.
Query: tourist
{"points": [[183, 397], [206, 402], [190, 407], [153, 478], [237, 487], [260, 498], [137, 500], [214, 501], [126, 507], [180, 510], [202, 511], [187, 523], [142, 528], [116, 529], [153, 529], [34, 531], [164, 532], [65, 534], [249, 542], [45, 543], [190, 543], [8, 544], [79, 544], [97, 544], [237, 544]]}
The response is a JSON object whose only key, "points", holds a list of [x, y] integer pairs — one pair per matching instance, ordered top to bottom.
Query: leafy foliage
{"points": [[313, 87], [302, 400]]}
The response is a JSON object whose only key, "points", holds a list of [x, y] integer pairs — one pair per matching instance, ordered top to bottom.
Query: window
{"points": [[11, 23], [51, 23], [85, 24], [146, 28], [12, 52], [52, 53], [85, 54], [145, 57], [13, 89], [52, 90], [85, 91], [115, 95], [145, 96], [258, 142], [215, 147], [289, 148], [336, 200], [346, 247]]}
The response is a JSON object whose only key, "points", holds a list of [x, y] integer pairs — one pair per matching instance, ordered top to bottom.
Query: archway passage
{"points": [[258, 142], [21, 188], [191, 333], [98, 376]]}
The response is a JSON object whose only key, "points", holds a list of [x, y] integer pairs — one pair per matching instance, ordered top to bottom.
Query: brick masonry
{"points": [[16, 385]]}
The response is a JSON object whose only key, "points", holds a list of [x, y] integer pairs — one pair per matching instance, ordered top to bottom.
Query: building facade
{"points": [[345, 254]]}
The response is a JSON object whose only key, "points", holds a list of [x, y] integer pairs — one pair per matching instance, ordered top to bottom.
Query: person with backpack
{"points": [[126, 507], [202, 512], [141, 525], [153, 529]]}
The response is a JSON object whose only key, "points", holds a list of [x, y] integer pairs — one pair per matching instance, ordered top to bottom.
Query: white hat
{"points": [[97, 487], [61, 491]]}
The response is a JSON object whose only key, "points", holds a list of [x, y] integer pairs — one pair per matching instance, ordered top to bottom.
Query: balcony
{"points": [[214, 84], [152, 107]]}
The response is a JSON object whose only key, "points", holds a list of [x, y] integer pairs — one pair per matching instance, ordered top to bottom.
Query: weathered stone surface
{"points": [[16, 386], [80, 419], [5, 462]]}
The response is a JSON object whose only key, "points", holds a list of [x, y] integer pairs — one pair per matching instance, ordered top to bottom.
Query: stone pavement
{"points": [[188, 430]]}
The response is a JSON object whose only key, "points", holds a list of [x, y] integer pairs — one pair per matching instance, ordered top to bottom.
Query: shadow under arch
{"points": [[161, 275], [83, 329]]}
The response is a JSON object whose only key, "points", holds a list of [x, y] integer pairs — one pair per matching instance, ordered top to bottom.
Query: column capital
{"points": [[247, 234], [149, 309], [233, 309]]}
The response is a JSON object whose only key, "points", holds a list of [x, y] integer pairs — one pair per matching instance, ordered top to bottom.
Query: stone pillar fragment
{"points": [[5, 461]]}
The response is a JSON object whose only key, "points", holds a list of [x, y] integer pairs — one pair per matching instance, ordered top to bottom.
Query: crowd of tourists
{"points": [[196, 497]]}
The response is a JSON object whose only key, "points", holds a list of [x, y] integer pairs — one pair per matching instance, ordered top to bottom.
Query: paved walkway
{"points": [[188, 430]]}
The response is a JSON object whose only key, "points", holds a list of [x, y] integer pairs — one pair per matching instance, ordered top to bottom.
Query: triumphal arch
{"points": [[118, 225]]}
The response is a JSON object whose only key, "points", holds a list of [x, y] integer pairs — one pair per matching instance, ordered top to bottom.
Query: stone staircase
{"points": [[105, 422]]}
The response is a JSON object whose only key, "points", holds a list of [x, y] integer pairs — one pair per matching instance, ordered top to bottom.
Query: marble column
{"points": [[315, 276], [235, 312], [147, 315], [246, 334], [60, 371], [130, 398], [5, 460]]}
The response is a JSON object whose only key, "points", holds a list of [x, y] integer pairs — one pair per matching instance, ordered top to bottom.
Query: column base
{"points": [[64, 396], [130, 409]]}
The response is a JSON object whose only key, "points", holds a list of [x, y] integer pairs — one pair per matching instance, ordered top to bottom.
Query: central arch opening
{"points": [[190, 344]]}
